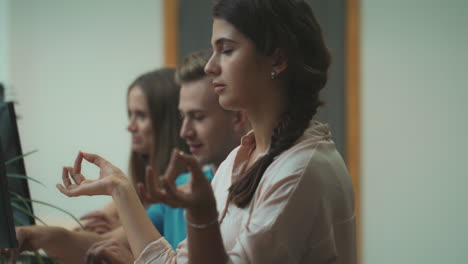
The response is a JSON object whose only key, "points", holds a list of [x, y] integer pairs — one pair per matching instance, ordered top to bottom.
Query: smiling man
{"points": [[210, 131]]}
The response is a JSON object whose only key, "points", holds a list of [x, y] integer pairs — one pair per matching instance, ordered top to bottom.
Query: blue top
{"points": [[169, 221]]}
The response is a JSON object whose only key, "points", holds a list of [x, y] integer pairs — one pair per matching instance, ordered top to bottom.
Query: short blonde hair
{"points": [[193, 67]]}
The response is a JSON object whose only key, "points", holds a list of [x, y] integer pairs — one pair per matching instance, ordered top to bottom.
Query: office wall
{"points": [[4, 26], [70, 65], [414, 128]]}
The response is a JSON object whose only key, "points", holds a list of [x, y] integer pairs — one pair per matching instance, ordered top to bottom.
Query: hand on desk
{"points": [[99, 222], [22, 236], [109, 251]]}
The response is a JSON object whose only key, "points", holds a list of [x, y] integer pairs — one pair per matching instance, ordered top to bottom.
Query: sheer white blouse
{"points": [[302, 211]]}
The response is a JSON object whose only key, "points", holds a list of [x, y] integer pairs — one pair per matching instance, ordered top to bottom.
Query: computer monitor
{"points": [[2, 93], [12, 148], [7, 226]]}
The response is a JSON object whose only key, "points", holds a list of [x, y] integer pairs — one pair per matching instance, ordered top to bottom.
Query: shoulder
{"points": [[315, 146], [313, 160], [225, 168]]}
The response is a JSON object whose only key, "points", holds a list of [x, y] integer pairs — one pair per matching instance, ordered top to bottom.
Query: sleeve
{"points": [[156, 214], [290, 218], [158, 252]]}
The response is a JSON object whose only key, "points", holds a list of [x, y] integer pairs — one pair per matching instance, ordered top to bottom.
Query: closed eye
{"points": [[227, 51]]}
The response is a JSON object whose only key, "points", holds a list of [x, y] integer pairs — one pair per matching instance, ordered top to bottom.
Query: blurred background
{"points": [[395, 102]]}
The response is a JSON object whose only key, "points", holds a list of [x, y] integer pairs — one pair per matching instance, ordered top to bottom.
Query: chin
{"points": [[228, 104], [139, 150], [200, 159]]}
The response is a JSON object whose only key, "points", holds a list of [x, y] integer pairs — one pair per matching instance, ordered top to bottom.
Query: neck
{"points": [[264, 118]]}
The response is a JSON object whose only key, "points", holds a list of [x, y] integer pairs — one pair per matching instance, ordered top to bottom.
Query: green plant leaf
{"points": [[8, 162], [19, 176], [18, 197], [24, 201], [25, 205], [56, 207], [60, 209], [28, 213], [18, 221]]}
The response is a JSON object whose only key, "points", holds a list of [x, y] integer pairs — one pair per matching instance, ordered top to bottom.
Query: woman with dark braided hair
{"points": [[284, 195]]}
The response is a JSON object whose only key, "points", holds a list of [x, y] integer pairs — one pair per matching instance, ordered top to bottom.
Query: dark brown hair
{"points": [[290, 26], [162, 95]]}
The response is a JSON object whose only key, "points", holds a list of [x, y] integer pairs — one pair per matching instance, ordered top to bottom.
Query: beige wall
{"points": [[4, 30], [70, 65], [414, 131]]}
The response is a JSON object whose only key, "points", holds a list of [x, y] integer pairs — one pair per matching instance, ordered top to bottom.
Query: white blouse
{"points": [[302, 211]]}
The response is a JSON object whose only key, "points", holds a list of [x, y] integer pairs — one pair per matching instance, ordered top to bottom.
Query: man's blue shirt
{"points": [[169, 221]]}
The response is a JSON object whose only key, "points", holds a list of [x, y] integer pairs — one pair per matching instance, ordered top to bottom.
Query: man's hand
{"points": [[99, 222], [24, 244], [109, 251]]}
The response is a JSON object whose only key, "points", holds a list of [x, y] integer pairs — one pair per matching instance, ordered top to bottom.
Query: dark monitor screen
{"points": [[12, 148], [7, 227]]}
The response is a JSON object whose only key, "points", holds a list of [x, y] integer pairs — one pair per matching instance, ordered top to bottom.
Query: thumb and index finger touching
{"points": [[180, 158], [190, 162], [75, 171]]}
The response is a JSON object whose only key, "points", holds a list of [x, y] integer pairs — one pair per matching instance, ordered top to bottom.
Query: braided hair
{"points": [[288, 25]]}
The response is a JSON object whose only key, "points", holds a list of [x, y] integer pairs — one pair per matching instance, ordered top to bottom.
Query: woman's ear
{"points": [[279, 62]]}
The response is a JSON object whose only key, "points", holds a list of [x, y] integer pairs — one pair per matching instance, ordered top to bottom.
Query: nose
{"points": [[212, 66], [131, 127], [186, 130]]}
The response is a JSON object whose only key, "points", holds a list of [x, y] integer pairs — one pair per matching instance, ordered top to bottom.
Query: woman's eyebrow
{"points": [[223, 40]]}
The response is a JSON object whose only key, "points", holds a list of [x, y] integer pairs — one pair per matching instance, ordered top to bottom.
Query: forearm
{"points": [[111, 210], [138, 227], [59, 243], [205, 244]]}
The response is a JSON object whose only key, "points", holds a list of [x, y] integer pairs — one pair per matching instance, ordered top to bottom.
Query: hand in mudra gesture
{"points": [[109, 177], [196, 195]]}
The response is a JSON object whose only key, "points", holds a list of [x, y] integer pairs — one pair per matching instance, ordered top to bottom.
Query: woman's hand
{"points": [[110, 177], [196, 196], [109, 251]]}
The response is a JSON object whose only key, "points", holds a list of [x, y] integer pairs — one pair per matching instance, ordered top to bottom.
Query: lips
{"points": [[219, 87], [136, 140], [194, 148]]}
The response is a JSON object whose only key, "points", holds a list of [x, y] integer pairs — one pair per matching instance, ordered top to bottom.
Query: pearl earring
{"points": [[273, 75]]}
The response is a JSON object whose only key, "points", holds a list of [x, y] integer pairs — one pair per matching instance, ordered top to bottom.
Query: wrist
{"points": [[119, 188], [201, 216], [200, 225]]}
